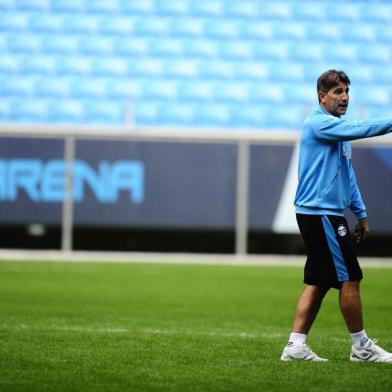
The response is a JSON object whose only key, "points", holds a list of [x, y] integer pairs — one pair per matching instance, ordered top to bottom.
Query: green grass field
{"points": [[155, 327]]}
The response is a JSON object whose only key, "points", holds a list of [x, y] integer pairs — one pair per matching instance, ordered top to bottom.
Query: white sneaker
{"points": [[300, 352], [370, 353]]}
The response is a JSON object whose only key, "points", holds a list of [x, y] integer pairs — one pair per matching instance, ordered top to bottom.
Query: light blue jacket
{"points": [[327, 184]]}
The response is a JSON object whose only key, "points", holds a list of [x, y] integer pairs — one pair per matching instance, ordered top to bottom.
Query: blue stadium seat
{"points": [[7, 5], [33, 5], [75, 6], [103, 6], [139, 7], [169, 8], [211, 8], [242, 9], [276, 10], [310, 11], [352, 12], [380, 13], [13, 21], [47, 23], [81, 24], [117, 25], [152, 26], [185, 27], [223, 29], [262, 31], [290, 31], [324, 32], [358, 34], [383, 34], [23, 43], [60, 43], [3, 44], [96, 45], [132, 46], [167, 47], [200, 47], [238, 49], [264, 51], [310, 53], [340, 53], [375, 54], [9, 63], [38, 64], [75, 65], [110, 66], [147, 67], [182, 68], [217, 69], [251, 70], [287, 71], [312, 71], [360, 74], [382, 74], [20, 86], [53, 87], [88, 87], [120, 88], [160, 89], [201, 91], [228, 91], [232, 92], [267, 93], [304, 95], [375, 96], [5, 109], [28, 110], [66, 111], [104, 112], [145, 112], [153, 112], [176, 113], [216, 115], [248, 115], [289, 116]]}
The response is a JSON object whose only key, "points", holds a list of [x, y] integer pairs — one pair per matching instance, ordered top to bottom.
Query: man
{"points": [[326, 188]]}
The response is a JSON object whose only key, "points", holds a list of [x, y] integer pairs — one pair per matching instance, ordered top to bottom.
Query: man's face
{"points": [[335, 101]]}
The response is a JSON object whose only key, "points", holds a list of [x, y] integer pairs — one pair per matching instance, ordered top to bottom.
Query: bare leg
{"points": [[350, 305], [307, 308]]}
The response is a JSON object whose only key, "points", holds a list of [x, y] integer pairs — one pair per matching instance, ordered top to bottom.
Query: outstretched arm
{"points": [[332, 129]]}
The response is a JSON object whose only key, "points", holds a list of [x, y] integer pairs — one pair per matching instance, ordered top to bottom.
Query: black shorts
{"points": [[331, 257]]}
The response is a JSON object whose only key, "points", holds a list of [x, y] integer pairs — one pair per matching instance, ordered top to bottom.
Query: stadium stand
{"points": [[216, 63]]}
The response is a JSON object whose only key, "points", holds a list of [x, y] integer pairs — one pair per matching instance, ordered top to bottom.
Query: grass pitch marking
{"points": [[147, 331]]}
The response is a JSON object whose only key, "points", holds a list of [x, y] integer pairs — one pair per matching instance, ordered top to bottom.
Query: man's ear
{"points": [[321, 96]]}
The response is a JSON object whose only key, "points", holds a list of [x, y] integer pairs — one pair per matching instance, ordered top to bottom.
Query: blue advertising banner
{"points": [[25, 180], [165, 184]]}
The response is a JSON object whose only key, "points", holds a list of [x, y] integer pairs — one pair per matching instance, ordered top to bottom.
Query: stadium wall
{"points": [[212, 190]]}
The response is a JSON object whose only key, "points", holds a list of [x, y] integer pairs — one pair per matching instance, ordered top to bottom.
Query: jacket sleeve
{"points": [[331, 129], [357, 206]]}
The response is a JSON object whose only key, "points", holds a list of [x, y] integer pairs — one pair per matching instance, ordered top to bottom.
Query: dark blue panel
{"points": [[373, 169], [185, 185]]}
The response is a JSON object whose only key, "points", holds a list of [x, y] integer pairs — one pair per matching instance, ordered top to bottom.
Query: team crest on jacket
{"points": [[342, 231]]}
